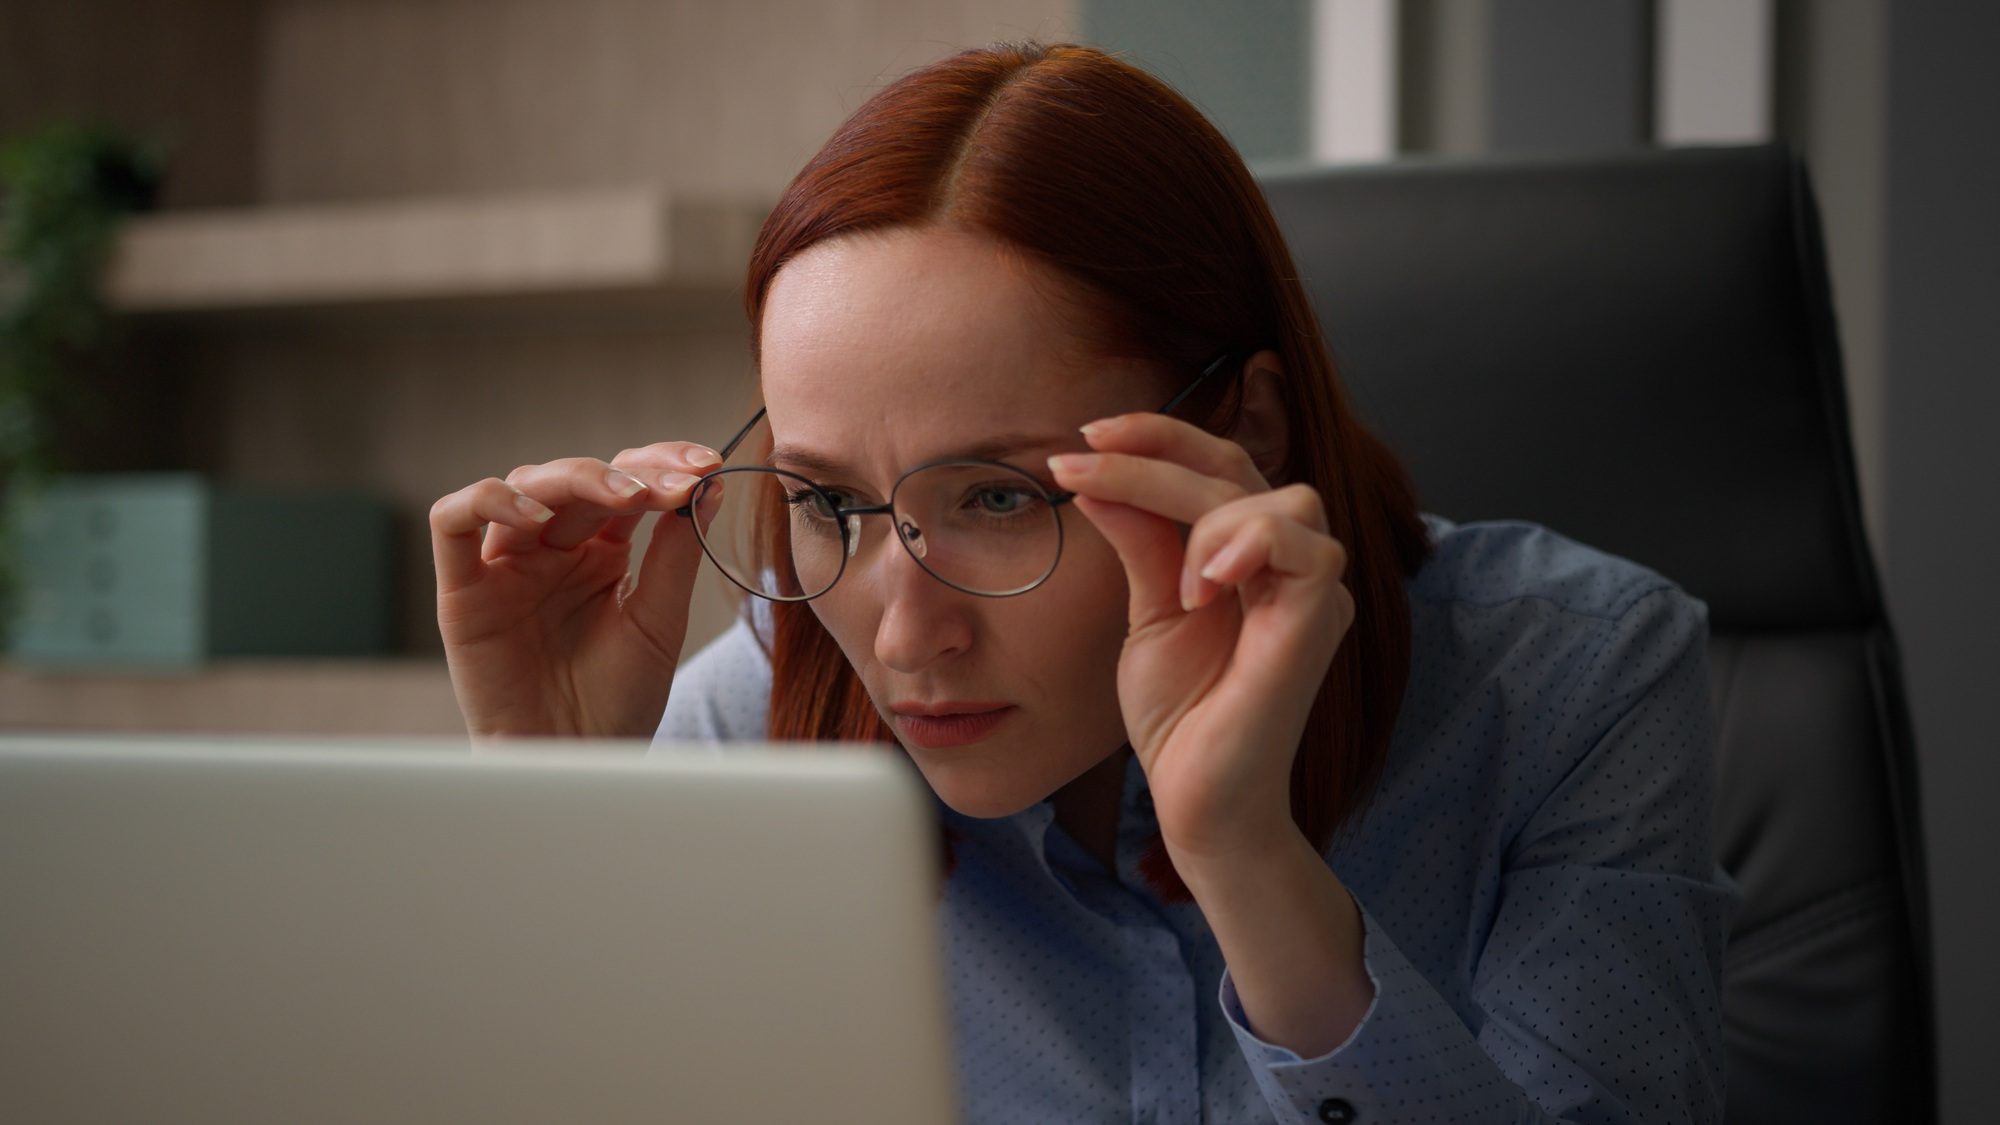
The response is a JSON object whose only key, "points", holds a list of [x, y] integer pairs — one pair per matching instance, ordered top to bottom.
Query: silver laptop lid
{"points": [[315, 930]]}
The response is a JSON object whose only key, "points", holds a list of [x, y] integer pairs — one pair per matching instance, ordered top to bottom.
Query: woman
{"points": [[1268, 796]]}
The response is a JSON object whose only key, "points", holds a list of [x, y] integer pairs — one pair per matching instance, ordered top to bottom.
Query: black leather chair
{"points": [[1638, 351]]}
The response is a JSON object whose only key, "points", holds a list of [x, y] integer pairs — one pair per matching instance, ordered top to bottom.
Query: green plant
{"points": [[64, 189]]}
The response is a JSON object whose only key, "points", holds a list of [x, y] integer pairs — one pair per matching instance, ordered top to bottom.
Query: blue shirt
{"points": [[1544, 918]]}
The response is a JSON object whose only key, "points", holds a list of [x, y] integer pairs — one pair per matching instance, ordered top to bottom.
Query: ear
{"points": [[1261, 429]]}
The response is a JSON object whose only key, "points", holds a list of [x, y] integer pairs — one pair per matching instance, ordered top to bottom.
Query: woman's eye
{"points": [[1002, 499], [814, 503]]}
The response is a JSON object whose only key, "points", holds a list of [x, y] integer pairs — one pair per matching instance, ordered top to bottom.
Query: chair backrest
{"points": [[1638, 351]]}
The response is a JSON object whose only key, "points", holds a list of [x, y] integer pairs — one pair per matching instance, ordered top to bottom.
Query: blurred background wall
{"points": [[348, 103]]}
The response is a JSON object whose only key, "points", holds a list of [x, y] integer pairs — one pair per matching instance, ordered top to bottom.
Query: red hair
{"points": [[1087, 164]]}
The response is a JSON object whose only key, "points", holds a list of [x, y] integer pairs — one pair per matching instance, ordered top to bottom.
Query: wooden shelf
{"points": [[612, 249], [301, 696]]}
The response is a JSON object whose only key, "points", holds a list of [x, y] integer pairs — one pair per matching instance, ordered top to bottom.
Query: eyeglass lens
{"points": [[981, 527]]}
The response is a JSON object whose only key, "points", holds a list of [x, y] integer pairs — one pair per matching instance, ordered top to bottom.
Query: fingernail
{"points": [[1102, 425], [703, 458], [1075, 464], [675, 482], [624, 485], [532, 508], [1223, 559], [1190, 590]]}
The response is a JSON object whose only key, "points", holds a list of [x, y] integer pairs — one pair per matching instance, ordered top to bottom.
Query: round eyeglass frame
{"points": [[1056, 499], [844, 515]]}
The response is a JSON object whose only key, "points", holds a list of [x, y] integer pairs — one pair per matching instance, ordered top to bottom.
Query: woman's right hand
{"points": [[542, 631]]}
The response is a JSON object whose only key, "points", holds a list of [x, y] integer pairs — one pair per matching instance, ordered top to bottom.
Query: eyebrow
{"points": [[991, 449]]}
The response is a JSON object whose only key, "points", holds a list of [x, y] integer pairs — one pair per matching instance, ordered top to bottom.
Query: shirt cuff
{"points": [[1410, 1058]]}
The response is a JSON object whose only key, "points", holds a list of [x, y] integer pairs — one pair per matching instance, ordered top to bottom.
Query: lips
{"points": [[945, 707], [938, 725]]}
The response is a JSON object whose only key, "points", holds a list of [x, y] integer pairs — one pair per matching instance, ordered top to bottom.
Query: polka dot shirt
{"points": [[1544, 919]]}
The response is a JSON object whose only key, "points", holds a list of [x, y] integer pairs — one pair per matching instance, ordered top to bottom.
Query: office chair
{"points": [[1638, 351]]}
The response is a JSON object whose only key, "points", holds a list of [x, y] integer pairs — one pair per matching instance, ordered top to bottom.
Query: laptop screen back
{"points": [[312, 930]]}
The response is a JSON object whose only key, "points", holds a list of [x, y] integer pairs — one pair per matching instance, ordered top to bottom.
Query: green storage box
{"points": [[167, 570]]}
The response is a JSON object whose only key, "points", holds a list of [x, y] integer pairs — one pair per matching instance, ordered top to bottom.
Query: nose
{"points": [[923, 620]]}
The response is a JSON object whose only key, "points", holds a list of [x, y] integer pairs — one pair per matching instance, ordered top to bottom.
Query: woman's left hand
{"points": [[1232, 628]]}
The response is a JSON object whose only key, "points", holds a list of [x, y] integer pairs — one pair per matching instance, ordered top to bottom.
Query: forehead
{"points": [[924, 330]]}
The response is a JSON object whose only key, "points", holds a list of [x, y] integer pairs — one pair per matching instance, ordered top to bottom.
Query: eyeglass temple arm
{"points": [[1213, 366], [729, 447]]}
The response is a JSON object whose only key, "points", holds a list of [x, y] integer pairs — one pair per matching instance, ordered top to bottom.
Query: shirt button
{"points": [[1336, 1111]]}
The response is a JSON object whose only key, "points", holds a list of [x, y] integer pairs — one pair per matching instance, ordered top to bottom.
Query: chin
{"points": [[971, 789]]}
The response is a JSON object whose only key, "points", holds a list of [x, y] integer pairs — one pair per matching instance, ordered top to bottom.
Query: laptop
{"points": [[303, 930]]}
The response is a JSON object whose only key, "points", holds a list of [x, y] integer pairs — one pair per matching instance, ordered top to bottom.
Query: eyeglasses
{"points": [[983, 527]]}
